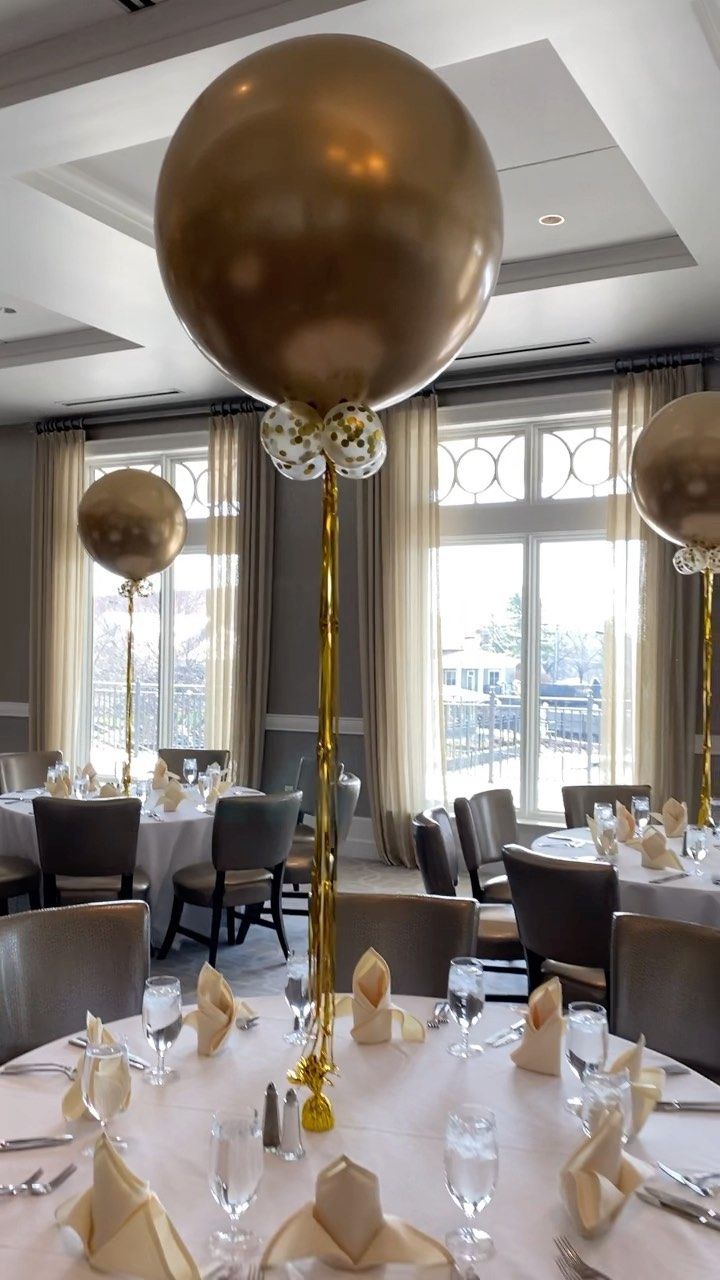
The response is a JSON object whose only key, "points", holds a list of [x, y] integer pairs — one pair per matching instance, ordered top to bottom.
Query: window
{"points": [[524, 589], [171, 623], [449, 675]]}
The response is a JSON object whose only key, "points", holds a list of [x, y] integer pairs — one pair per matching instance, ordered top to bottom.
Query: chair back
{"points": [[205, 756], [21, 770], [306, 783], [347, 794], [579, 801], [485, 822], [254, 831], [87, 837], [436, 852], [564, 908], [417, 936], [55, 965], [664, 984]]}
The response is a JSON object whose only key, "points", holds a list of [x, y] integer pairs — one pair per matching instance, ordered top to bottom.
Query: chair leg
{"points": [[296, 888], [34, 899], [4, 906], [276, 908], [177, 910], [217, 911], [230, 918], [247, 918], [534, 964]]}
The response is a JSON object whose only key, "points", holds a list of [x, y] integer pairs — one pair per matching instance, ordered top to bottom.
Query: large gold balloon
{"points": [[328, 222], [676, 470], [132, 523]]}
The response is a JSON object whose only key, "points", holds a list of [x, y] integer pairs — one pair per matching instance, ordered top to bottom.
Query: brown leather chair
{"points": [[205, 756], [21, 770], [306, 783], [579, 801], [485, 823], [251, 840], [88, 850], [437, 859], [298, 868], [18, 876], [564, 911], [418, 937], [55, 965], [664, 984]]}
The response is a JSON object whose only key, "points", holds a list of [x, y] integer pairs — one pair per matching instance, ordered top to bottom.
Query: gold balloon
{"points": [[328, 222], [676, 470], [132, 523]]}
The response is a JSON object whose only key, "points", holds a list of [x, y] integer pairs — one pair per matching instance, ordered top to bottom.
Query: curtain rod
{"points": [[538, 372]]}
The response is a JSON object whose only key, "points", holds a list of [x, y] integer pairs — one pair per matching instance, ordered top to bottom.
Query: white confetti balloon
{"points": [[292, 432], [354, 440], [308, 470], [713, 559], [690, 560]]}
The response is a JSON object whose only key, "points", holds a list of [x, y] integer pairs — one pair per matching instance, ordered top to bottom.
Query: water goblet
{"points": [[190, 769], [51, 776], [80, 786], [142, 790], [640, 806], [602, 812], [715, 817], [607, 839], [696, 847], [297, 994], [466, 1001], [162, 1023], [586, 1043], [105, 1084], [605, 1092], [235, 1170], [471, 1171]]}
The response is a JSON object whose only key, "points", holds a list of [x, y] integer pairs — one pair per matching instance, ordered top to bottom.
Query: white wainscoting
{"points": [[14, 710], [347, 725]]}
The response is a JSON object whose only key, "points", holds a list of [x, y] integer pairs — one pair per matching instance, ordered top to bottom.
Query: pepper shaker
{"points": [[271, 1119]]}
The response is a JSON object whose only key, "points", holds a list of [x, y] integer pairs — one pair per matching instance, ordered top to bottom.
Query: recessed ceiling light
{"points": [[551, 220], [8, 311]]}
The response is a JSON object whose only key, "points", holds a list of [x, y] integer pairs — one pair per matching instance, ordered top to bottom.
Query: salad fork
{"points": [[45, 1188], [14, 1189], [579, 1269]]}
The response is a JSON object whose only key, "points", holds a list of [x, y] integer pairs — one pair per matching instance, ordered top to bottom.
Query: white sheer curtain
{"points": [[398, 542], [240, 544], [651, 642]]}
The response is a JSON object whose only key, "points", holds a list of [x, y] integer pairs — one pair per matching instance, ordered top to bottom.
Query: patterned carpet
{"points": [[258, 968]]}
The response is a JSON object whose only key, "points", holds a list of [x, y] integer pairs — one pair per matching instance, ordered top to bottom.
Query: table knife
{"points": [[507, 1035], [677, 1104], [27, 1144], [678, 1204]]}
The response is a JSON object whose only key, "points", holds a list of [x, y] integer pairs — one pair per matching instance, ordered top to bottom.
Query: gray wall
{"points": [[17, 445]]}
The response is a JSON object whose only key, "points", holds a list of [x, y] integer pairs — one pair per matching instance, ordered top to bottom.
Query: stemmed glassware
{"points": [[190, 769], [80, 786], [602, 812], [641, 813], [607, 838], [696, 847], [297, 994], [466, 1001], [162, 1023], [586, 1043], [104, 1084], [603, 1092], [236, 1166], [471, 1171]]}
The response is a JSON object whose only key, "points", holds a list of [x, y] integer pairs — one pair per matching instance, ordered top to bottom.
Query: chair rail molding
{"points": [[14, 710], [347, 725]]}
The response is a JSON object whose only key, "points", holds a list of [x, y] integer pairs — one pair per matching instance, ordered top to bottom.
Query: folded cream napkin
{"points": [[89, 772], [162, 776], [61, 788], [110, 790], [216, 792], [172, 796], [673, 817], [625, 823], [655, 854], [371, 1007], [216, 1011], [541, 1046], [114, 1073], [646, 1083], [599, 1177], [123, 1226], [346, 1227]]}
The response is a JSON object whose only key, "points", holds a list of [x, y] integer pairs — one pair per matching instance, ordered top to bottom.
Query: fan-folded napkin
{"points": [[90, 773], [162, 776], [61, 788], [215, 792], [173, 796], [673, 817], [625, 823], [655, 854], [371, 1006], [216, 1011], [541, 1046], [114, 1071], [646, 1083], [599, 1177], [123, 1226], [346, 1227]]}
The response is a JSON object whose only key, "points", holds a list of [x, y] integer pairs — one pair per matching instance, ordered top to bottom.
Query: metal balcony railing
{"points": [[108, 715]]}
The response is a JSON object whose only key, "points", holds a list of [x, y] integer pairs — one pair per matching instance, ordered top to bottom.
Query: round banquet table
{"points": [[165, 843], [694, 899], [390, 1102]]}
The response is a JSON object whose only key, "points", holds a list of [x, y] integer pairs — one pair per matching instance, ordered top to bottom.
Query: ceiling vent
{"points": [[134, 6], [522, 351], [140, 395]]}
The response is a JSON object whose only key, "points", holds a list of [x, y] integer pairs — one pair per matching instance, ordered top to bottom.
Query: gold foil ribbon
{"points": [[129, 590], [706, 783], [317, 1063]]}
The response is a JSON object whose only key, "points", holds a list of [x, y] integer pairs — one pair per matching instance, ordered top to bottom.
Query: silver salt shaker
{"points": [[291, 1147]]}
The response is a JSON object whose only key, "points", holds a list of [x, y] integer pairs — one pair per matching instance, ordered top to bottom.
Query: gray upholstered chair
{"points": [[205, 756], [21, 770], [306, 784], [578, 801], [485, 823], [251, 840], [88, 850], [437, 858], [298, 868], [18, 877], [564, 910], [417, 936], [55, 965], [664, 984]]}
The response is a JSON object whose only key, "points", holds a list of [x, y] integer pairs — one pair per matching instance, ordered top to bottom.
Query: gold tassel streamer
{"points": [[129, 590], [706, 784], [317, 1063]]}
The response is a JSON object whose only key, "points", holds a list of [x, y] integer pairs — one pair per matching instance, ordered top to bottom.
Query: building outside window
{"points": [[449, 675]]}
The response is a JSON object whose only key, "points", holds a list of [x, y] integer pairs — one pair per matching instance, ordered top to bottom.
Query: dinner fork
{"points": [[27, 1068], [14, 1188], [45, 1188], [579, 1268]]}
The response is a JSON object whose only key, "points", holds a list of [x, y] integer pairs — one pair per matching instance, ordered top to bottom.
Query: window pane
{"points": [[576, 462], [481, 469], [190, 478], [481, 615], [572, 630], [109, 649], [190, 649]]}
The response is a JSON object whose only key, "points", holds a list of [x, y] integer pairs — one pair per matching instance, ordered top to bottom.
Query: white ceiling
{"points": [[607, 112]]}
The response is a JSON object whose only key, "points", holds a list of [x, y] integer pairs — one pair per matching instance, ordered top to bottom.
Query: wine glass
{"points": [[190, 769], [51, 776], [80, 786], [640, 806], [602, 812], [715, 817], [607, 838], [696, 847], [297, 994], [466, 1001], [162, 1023], [586, 1042], [105, 1085], [603, 1093], [235, 1170], [471, 1171]]}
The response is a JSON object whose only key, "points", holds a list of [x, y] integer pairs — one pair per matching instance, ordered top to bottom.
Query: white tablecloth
{"points": [[164, 846], [695, 899], [391, 1101]]}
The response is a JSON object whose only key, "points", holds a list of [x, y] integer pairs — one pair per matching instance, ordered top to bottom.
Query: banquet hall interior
{"points": [[359, 675]]}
